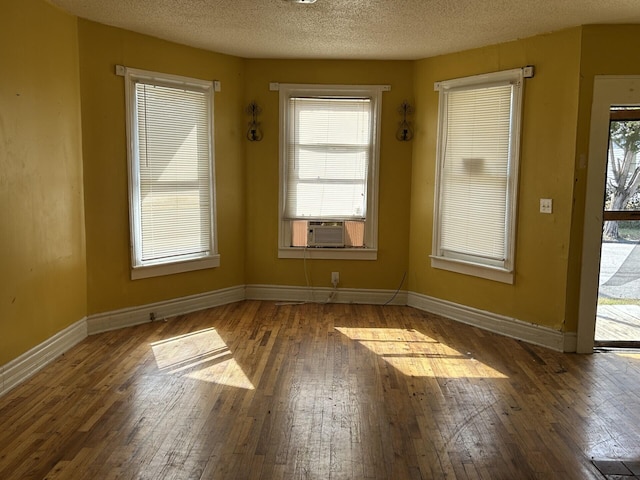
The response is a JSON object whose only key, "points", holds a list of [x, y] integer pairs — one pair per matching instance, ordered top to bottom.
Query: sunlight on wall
{"points": [[415, 354], [201, 355]]}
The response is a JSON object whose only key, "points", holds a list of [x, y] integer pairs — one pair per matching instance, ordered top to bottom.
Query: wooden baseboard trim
{"points": [[323, 295], [128, 317], [503, 325], [21, 368]]}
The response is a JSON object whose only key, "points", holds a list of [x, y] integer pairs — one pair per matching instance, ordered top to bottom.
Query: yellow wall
{"points": [[105, 165], [546, 171], [42, 253], [263, 265]]}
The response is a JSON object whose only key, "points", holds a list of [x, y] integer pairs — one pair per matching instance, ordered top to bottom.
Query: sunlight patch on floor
{"points": [[415, 354], [201, 355], [635, 355]]}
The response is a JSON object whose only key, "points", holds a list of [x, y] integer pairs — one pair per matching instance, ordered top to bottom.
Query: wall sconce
{"points": [[404, 132], [254, 134]]}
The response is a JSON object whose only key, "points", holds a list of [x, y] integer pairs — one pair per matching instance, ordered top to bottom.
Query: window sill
{"points": [[329, 253], [467, 268], [148, 271]]}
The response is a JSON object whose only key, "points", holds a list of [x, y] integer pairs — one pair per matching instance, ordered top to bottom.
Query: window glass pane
{"points": [[623, 166]]}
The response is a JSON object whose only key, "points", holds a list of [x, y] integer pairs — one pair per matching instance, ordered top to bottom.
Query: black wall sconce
{"points": [[404, 132], [254, 134]]}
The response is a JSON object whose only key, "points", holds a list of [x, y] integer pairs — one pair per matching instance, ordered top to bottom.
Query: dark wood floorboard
{"points": [[257, 390]]}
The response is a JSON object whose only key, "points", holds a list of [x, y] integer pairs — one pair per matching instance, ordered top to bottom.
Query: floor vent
{"points": [[618, 469]]}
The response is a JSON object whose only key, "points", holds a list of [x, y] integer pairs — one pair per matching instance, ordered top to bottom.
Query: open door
{"points": [[608, 91], [618, 310]]}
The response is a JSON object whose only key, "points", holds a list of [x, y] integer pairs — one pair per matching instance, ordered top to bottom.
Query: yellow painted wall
{"points": [[606, 50], [105, 165], [546, 171], [42, 251], [263, 265]]}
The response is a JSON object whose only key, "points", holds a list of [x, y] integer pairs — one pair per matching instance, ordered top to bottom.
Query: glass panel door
{"points": [[618, 312]]}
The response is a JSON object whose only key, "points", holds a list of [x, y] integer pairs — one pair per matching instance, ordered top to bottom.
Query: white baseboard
{"points": [[323, 295], [128, 317], [503, 325], [20, 369]]}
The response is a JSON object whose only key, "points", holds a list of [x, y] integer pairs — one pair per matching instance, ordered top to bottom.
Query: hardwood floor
{"points": [[256, 390]]}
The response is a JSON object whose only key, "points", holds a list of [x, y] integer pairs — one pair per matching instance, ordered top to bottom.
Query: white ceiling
{"points": [[353, 29]]}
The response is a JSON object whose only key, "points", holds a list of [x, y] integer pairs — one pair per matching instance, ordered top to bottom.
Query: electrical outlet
{"points": [[546, 205], [335, 278]]}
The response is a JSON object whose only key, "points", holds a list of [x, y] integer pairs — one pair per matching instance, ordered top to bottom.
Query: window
{"points": [[328, 170], [477, 174], [171, 193]]}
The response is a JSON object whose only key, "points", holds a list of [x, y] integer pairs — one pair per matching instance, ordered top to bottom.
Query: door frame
{"points": [[608, 90]]}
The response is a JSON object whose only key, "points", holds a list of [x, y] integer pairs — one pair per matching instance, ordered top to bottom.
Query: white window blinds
{"points": [[328, 155], [475, 171], [477, 174], [174, 175]]}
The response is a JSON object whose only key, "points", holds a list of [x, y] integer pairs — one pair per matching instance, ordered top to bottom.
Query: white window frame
{"points": [[370, 250], [470, 264], [139, 268]]}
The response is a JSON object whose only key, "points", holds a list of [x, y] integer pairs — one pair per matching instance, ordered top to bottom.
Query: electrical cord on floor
{"points": [[404, 275], [306, 276], [307, 281]]}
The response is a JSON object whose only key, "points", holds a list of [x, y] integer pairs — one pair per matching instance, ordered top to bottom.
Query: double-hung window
{"points": [[329, 153], [171, 175], [477, 175]]}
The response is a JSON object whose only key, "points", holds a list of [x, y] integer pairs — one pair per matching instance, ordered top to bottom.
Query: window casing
{"points": [[329, 152], [171, 174], [477, 174]]}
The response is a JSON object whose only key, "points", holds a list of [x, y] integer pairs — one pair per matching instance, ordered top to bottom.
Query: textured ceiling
{"points": [[354, 29]]}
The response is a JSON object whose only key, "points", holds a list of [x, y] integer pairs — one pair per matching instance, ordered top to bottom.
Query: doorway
{"points": [[608, 91], [618, 309]]}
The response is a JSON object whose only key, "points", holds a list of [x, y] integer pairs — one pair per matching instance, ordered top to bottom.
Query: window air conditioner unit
{"points": [[325, 234]]}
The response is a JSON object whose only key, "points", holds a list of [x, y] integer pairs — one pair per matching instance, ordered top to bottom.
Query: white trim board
{"points": [[323, 295], [128, 317], [500, 324], [21, 368]]}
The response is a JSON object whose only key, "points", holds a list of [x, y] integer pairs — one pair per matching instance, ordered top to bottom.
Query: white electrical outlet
{"points": [[546, 205], [335, 278]]}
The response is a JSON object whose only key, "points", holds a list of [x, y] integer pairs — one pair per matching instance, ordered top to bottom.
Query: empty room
{"points": [[319, 239]]}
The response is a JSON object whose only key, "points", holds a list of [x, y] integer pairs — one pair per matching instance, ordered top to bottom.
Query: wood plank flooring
{"points": [[256, 390]]}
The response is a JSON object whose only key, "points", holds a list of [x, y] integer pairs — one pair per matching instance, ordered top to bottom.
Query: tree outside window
{"points": [[623, 174]]}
